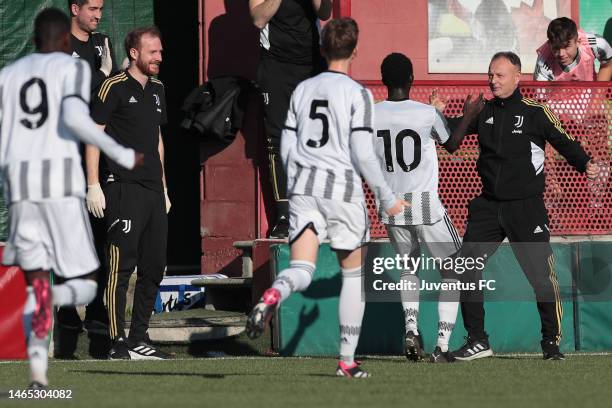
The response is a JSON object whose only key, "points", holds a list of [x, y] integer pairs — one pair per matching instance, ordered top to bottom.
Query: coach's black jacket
{"points": [[91, 51], [512, 134]]}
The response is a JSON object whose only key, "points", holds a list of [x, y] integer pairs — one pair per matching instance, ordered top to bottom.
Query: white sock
{"points": [[296, 278], [74, 292], [410, 301], [448, 304], [28, 310], [350, 313], [38, 350]]}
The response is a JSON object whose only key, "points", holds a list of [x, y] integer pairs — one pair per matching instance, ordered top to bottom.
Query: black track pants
{"points": [[277, 81], [525, 224], [137, 236]]}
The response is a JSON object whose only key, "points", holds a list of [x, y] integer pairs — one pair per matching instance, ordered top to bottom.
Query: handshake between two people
{"points": [[471, 110]]}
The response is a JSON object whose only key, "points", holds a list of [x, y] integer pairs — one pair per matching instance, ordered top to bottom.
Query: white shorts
{"points": [[346, 225], [51, 235], [441, 238]]}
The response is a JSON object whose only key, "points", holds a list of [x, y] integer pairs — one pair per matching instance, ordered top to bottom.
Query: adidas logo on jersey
{"points": [[75, 55], [133, 100], [489, 121], [537, 230]]}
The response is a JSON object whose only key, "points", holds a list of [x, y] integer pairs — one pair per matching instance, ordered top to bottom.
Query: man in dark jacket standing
{"points": [[97, 50], [290, 53], [512, 135]]}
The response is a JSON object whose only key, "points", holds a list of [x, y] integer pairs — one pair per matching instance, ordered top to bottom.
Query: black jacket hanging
{"points": [[216, 109]]}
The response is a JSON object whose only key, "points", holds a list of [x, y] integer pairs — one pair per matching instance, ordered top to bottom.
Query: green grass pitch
{"points": [[502, 381]]}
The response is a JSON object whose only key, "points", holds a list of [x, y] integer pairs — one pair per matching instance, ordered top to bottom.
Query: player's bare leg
{"points": [[296, 278]]}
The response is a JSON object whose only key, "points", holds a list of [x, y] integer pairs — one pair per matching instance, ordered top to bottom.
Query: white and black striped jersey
{"points": [[601, 49], [405, 136], [326, 144], [39, 157]]}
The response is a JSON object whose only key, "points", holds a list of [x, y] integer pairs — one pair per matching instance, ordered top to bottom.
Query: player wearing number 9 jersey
{"points": [[44, 114], [405, 136], [326, 147]]}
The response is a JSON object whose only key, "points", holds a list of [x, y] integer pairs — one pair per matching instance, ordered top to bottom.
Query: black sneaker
{"points": [[281, 229], [262, 313], [413, 347], [473, 349], [119, 351], [146, 351], [551, 351], [439, 356], [353, 371], [35, 385]]}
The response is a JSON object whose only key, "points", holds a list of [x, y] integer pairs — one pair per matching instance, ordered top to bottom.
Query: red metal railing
{"points": [[575, 205]]}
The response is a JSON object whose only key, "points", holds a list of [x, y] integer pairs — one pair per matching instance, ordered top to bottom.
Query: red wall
{"points": [[390, 26], [397, 26], [228, 177]]}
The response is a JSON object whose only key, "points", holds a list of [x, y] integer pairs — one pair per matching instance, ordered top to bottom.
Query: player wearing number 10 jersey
{"points": [[44, 114], [405, 135], [326, 148]]}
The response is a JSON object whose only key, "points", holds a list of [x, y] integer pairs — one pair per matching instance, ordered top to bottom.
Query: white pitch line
{"points": [[203, 359], [52, 361]]}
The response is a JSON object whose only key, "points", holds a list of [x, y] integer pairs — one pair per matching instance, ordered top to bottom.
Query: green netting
{"points": [[17, 18], [16, 24], [308, 321]]}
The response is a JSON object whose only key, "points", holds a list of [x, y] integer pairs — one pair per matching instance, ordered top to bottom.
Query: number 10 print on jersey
{"points": [[405, 143]]}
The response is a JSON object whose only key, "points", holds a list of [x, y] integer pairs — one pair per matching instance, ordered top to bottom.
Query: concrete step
{"points": [[248, 249], [247, 257], [223, 283], [227, 294], [194, 325]]}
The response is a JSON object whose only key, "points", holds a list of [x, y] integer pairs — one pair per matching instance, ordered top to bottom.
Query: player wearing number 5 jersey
{"points": [[44, 115], [405, 136], [326, 148]]}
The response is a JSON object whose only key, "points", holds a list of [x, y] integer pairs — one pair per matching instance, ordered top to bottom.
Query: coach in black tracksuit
{"points": [[94, 50], [97, 50], [289, 54], [132, 107], [512, 134]]}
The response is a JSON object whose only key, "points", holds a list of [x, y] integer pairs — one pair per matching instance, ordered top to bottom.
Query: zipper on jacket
{"points": [[499, 146]]}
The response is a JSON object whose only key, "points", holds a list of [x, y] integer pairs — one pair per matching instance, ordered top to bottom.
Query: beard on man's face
{"points": [[147, 67]]}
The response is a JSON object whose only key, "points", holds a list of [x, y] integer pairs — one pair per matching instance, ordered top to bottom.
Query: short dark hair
{"points": [[79, 3], [49, 27], [560, 31], [339, 38], [132, 39], [510, 56], [396, 70]]}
